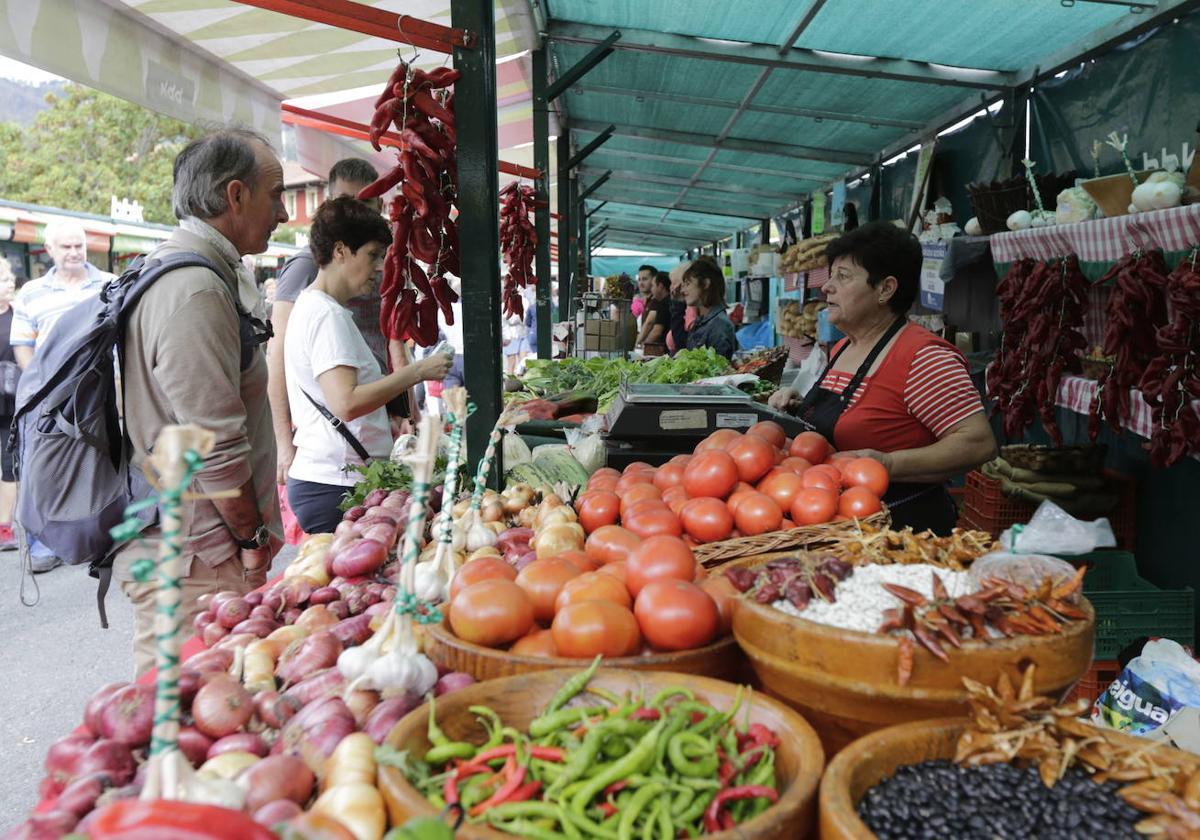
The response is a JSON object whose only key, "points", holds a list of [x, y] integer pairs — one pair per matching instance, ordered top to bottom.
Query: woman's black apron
{"points": [[919, 506]]}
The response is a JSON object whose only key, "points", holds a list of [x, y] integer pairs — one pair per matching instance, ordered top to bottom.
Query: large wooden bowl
{"points": [[722, 660], [844, 681], [871, 759], [799, 760]]}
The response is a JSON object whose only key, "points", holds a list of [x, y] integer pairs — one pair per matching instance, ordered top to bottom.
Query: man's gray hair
{"points": [[207, 166]]}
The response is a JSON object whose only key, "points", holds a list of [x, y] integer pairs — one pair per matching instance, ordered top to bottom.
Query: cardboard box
{"points": [[593, 327], [608, 328], [591, 342], [609, 343]]}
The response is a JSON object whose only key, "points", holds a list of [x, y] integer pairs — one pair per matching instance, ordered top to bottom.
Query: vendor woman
{"points": [[704, 288], [892, 390]]}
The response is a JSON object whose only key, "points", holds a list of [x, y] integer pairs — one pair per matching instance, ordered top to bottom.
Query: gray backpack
{"points": [[70, 453]]}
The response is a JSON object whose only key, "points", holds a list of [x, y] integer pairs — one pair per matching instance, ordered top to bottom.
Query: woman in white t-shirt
{"points": [[336, 390]]}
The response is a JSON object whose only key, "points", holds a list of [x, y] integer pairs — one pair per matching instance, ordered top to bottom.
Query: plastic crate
{"points": [[985, 504], [1098, 678]]}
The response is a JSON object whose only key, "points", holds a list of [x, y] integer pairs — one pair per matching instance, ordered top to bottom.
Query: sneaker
{"points": [[7, 540], [44, 564]]}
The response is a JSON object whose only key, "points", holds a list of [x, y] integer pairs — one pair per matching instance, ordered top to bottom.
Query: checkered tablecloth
{"points": [[1103, 240], [1076, 393]]}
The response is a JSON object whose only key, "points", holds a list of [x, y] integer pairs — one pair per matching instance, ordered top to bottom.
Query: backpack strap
{"points": [[340, 427]]}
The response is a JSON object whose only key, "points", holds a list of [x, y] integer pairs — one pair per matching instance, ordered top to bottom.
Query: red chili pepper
{"points": [[430, 107], [382, 185], [646, 714], [697, 717], [763, 736], [506, 750], [727, 770], [514, 778], [450, 787], [616, 787], [525, 792], [607, 809], [133, 819], [713, 821]]}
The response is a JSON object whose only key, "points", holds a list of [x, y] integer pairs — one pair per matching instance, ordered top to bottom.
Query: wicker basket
{"points": [[995, 202], [1095, 369], [1061, 461], [805, 536]]}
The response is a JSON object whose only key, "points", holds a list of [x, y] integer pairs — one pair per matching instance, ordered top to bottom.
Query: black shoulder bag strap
{"points": [[340, 427]]}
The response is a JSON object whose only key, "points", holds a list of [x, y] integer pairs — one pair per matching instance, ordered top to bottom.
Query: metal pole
{"points": [[541, 213], [478, 219], [564, 222], [576, 232], [765, 232]]}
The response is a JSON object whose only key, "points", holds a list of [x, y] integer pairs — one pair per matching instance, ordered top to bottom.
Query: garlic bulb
{"points": [[1020, 220], [478, 534], [430, 581], [403, 672]]}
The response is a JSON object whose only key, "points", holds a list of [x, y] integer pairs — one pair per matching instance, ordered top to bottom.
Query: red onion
{"points": [[375, 498], [354, 514], [379, 516], [346, 528], [385, 534], [514, 538], [360, 559], [524, 560], [297, 593], [389, 593], [324, 595], [371, 596], [221, 597], [253, 597], [204, 601], [273, 601], [338, 609], [377, 609], [263, 611], [233, 612], [290, 616], [202, 620], [260, 627], [352, 631], [213, 633], [235, 640], [308, 655], [209, 660], [452, 682], [189, 684], [318, 685], [96, 703], [361, 703], [221, 708], [275, 710], [388, 713], [128, 716], [315, 732], [250, 742], [194, 744], [108, 756], [63, 758], [275, 778], [80, 796], [278, 811], [50, 825]]}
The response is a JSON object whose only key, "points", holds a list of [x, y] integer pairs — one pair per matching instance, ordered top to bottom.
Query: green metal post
{"points": [[541, 215], [478, 219], [564, 222], [576, 231]]}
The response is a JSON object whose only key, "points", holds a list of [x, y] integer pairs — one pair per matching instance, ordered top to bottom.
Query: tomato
{"points": [[769, 431], [720, 439], [811, 446], [754, 457], [682, 460], [794, 464], [637, 466], [830, 470], [867, 472], [605, 473], [712, 473], [668, 475], [633, 479], [818, 479], [605, 483], [782, 487], [676, 492], [638, 493], [733, 501], [858, 502], [676, 503], [814, 505], [596, 508], [638, 508], [758, 513], [707, 520], [654, 521], [786, 524], [610, 543], [659, 558], [580, 560], [481, 568], [619, 570], [542, 580], [594, 587], [723, 594], [492, 612], [676, 615], [583, 630], [536, 643]]}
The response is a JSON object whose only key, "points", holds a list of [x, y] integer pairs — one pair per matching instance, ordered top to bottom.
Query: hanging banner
{"points": [[837, 205], [818, 213], [933, 288]]}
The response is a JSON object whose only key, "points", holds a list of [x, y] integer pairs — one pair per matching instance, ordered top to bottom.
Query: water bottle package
{"points": [[1152, 689]]}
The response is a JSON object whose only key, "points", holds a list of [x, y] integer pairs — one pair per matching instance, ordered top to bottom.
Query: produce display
{"points": [[424, 232], [518, 241], [807, 254], [798, 320], [1171, 381], [883, 546], [607, 767]]}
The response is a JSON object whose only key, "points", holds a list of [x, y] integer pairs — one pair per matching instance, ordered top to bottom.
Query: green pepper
{"points": [[572, 687], [667, 693], [604, 694], [492, 723], [547, 723], [676, 723], [443, 748], [677, 751], [581, 759], [638, 759], [682, 800], [696, 810], [630, 814], [651, 820], [666, 827], [528, 828]]}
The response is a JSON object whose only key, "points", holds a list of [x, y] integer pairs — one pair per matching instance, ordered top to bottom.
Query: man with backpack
{"points": [[191, 356]]}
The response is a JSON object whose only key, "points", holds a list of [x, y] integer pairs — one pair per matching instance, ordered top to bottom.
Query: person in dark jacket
{"points": [[704, 288]]}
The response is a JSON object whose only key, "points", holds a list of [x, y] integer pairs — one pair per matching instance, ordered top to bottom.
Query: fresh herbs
{"points": [[385, 474]]}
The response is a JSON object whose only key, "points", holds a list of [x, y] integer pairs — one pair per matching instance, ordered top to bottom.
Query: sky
{"points": [[13, 69]]}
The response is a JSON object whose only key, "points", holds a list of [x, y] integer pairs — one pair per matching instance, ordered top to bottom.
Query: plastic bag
{"points": [[760, 334], [810, 371], [588, 448], [515, 450], [1054, 531], [1027, 570], [1151, 690]]}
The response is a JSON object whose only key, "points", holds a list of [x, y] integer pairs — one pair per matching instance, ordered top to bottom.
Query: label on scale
{"points": [[690, 418], [733, 420]]}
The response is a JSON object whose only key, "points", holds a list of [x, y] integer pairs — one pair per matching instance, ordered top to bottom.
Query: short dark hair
{"points": [[353, 171], [347, 220], [884, 250], [649, 268], [707, 269], [663, 279]]}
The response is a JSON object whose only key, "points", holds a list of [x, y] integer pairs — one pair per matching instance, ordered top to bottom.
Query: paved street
{"points": [[55, 655]]}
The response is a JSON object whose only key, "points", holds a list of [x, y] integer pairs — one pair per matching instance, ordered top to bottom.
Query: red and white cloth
{"points": [[1103, 240]]}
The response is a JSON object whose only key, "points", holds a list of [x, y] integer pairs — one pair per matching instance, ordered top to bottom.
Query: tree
{"points": [[89, 146]]}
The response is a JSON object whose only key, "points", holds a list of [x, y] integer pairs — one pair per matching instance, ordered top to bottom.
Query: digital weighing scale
{"points": [[653, 423]]}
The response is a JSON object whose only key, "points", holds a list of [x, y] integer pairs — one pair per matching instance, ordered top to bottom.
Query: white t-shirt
{"points": [[321, 335]]}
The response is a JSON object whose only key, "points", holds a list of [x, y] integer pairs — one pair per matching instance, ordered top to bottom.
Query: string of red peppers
{"points": [[421, 107], [518, 243], [1171, 381]]}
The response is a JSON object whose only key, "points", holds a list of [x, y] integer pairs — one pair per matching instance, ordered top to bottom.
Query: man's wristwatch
{"points": [[258, 539]]}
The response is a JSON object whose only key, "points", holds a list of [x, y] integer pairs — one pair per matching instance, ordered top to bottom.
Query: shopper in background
{"points": [[346, 177], [645, 286], [704, 288], [41, 302], [681, 313], [512, 331], [653, 336], [192, 355], [9, 374], [336, 387], [892, 390]]}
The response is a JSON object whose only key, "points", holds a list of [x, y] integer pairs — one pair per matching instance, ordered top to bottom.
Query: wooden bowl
{"points": [[721, 660], [844, 681], [871, 759], [799, 760]]}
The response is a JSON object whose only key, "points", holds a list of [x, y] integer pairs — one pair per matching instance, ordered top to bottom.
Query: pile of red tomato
{"points": [[736, 485], [620, 596]]}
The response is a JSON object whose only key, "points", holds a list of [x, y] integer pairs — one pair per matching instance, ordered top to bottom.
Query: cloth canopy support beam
{"points": [[368, 20], [601, 51], [767, 55], [583, 154], [729, 167], [672, 181], [595, 185], [654, 195], [596, 208], [683, 208], [479, 209], [541, 211], [698, 232]]}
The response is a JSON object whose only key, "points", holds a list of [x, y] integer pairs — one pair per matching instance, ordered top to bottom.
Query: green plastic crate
{"points": [[1129, 607]]}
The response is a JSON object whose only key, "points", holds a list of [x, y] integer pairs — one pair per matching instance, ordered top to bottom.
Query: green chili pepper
{"points": [[572, 687], [604, 694], [666, 694], [492, 723], [547, 723], [676, 723], [435, 735], [450, 750], [638, 758], [581, 759], [703, 766], [701, 784], [682, 800], [436, 801], [517, 810], [696, 810], [629, 815], [651, 820], [585, 824], [666, 827], [528, 828], [568, 828]]}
